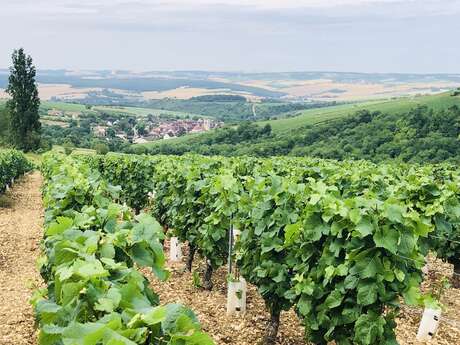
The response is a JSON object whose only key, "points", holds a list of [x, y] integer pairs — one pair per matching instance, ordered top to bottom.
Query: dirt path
{"points": [[21, 219]]}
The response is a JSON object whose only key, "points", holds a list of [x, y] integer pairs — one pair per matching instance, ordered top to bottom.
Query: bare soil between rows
{"points": [[21, 221]]}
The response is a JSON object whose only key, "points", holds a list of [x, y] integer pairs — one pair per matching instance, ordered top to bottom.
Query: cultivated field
{"points": [[319, 86], [330, 90], [189, 92], [141, 112]]}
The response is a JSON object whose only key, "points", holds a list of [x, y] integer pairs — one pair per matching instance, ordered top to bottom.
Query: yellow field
{"points": [[189, 92]]}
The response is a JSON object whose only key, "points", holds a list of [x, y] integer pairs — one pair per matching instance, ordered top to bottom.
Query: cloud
{"points": [[279, 4], [92, 6], [140, 10], [377, 35]]}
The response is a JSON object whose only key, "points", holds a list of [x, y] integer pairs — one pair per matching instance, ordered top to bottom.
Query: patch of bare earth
{"points": [[21, 219], [248, 329]]}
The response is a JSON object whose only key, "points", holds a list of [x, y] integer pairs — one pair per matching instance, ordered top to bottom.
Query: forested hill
{"points": [[418, 135]]}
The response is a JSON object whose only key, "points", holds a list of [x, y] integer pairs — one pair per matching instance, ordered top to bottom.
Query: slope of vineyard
{"points": [[342, 243], [339, 244], [92, 250]]}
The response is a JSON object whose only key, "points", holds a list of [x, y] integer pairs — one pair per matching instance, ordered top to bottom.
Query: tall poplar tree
{"points": [[24, 103]]}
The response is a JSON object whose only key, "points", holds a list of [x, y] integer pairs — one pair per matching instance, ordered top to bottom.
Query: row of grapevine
{"points": [[12, 165], [133, 175], [342, 243], [91, 251]]}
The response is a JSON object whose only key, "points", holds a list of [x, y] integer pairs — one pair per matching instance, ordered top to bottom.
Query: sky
{"points": [[405, 36]]}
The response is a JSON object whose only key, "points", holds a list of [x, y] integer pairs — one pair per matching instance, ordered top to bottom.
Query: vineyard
{"points": [[12, 165], [181, 199], [343, 244], [93, 249]]}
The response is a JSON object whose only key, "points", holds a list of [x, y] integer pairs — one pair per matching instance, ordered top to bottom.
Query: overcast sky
{"points": [[252, 35]]}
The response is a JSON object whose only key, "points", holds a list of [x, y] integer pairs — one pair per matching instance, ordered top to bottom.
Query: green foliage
{"points": [[24, 103], [388, 106], [230, 108], [4, 127], [420, 135], [68, 147], [101, 148], [12, 165], [133, 174], [181, 189], [266, 211], [342, 242], [92, 246], [345, 275], [196, 280]]}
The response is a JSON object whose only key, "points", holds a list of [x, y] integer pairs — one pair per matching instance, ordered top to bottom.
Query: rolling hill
{"points": [[314, 116], [295, 120], [422, 129]]}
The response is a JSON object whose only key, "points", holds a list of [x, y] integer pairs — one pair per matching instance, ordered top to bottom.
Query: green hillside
{"points": [[63, 106], [113, 110], [142, 112], [321, 115], [313, 116], [422, 129]]}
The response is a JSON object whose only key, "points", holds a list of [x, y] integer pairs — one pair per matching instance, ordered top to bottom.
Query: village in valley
{"points": [[134, 129], [165, 129]]}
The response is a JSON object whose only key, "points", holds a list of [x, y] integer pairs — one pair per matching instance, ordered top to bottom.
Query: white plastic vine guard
{"points": [[175, 250], [236, 297], [429, 324]]}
